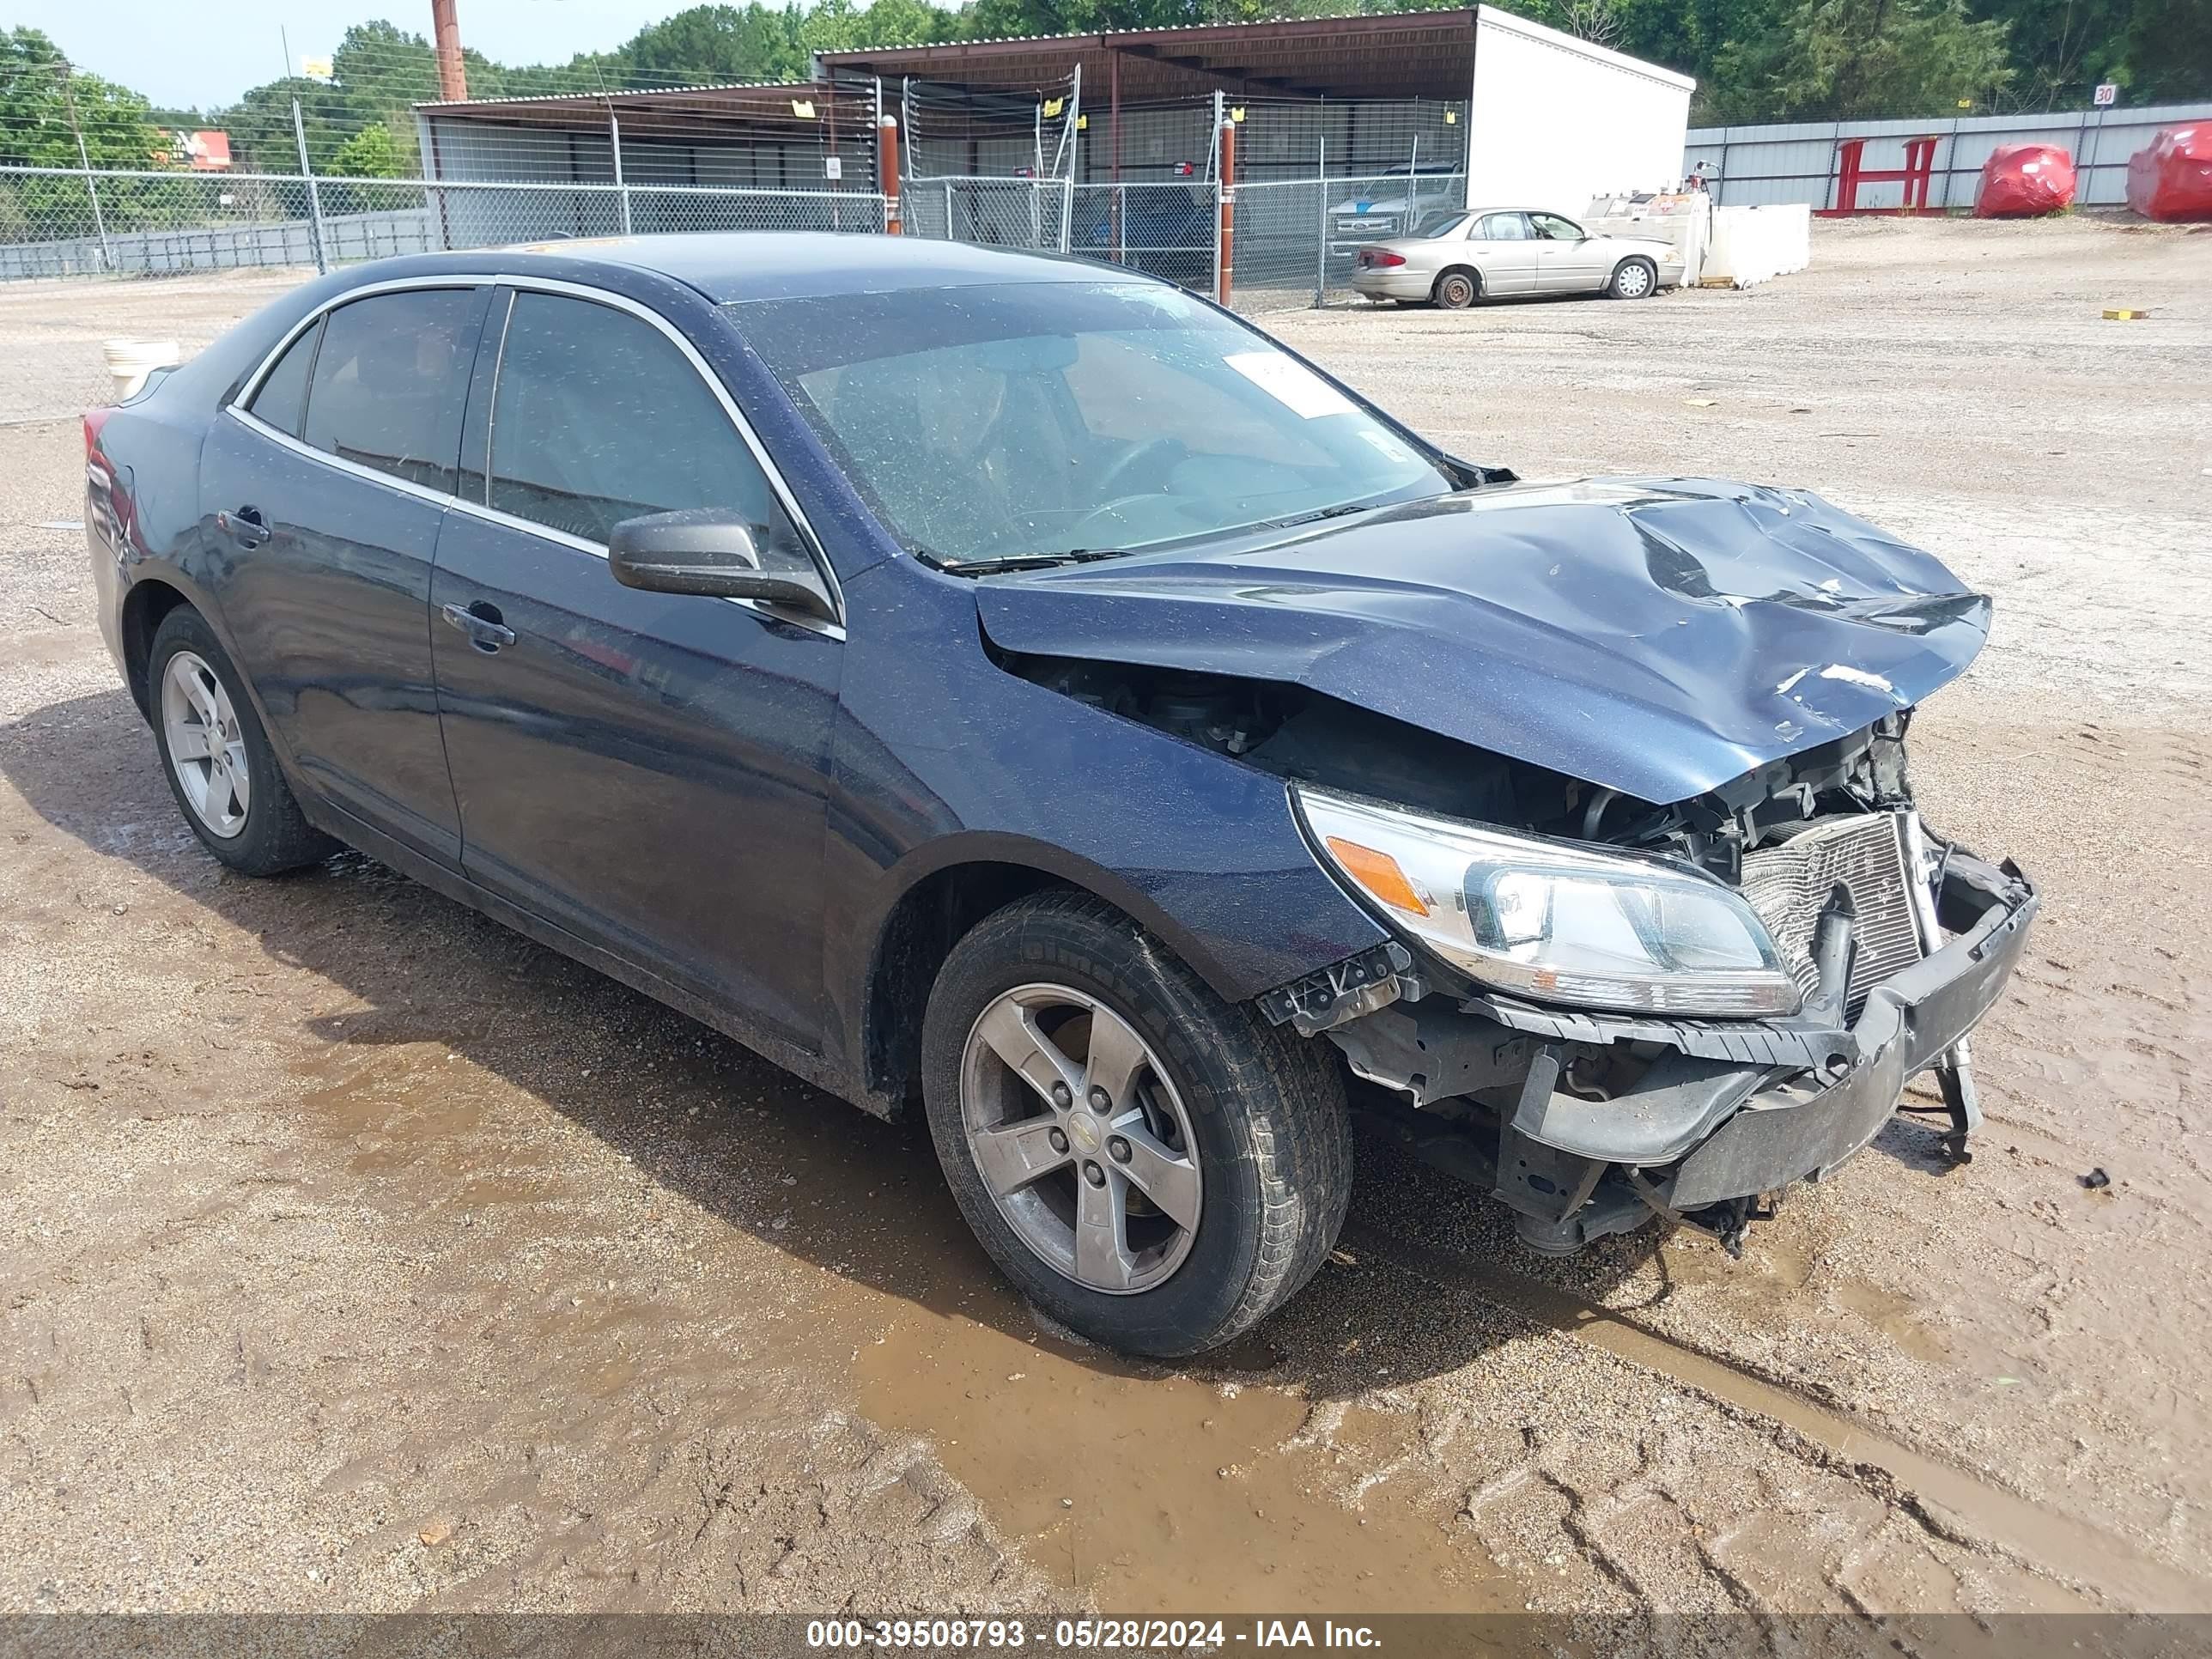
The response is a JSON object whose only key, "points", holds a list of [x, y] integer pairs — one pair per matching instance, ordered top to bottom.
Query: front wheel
{"points": [[1632, 279], [1154, 1168]]}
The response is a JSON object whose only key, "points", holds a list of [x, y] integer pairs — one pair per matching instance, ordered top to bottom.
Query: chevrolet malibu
{"points": [[1017, 689]]}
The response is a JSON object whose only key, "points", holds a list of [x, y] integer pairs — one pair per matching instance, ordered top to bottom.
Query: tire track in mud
{"points": [[1950, 1502]]}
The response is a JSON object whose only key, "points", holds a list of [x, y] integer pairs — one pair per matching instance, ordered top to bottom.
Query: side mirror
{"points": [[705, 551]]}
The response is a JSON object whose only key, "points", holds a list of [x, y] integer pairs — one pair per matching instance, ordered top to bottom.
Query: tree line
{"points": [[1755, 60]]}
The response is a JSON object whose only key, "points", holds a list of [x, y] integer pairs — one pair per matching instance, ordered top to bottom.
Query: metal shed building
{"points": [[1527, 112], [772, 157]]}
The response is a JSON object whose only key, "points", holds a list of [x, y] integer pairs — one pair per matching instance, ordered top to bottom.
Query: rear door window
{"points": [[1504, 227], [390, 381], [281, 398], [598, 417]]}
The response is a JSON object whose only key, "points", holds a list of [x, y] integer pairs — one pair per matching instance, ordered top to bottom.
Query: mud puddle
{"points": [[1134, 1487], [1143, 1489], [1162, 1493], [1949, 1499]]}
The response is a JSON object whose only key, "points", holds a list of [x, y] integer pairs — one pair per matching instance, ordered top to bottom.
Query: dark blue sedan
{"points": [[1017, 688]]}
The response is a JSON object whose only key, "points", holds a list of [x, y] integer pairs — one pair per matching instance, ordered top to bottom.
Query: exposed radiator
{"points": [[1788, 885]]}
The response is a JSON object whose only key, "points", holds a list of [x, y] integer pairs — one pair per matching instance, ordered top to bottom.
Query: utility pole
{"points": [[452, 74], [84, 160], [314, 193]]}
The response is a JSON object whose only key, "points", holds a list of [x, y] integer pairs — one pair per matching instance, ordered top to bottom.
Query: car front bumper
{"points": [[1910, 1022], [1737, 1108]]}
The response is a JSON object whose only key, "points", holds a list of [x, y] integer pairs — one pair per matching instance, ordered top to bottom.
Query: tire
{"points": [[1632, 279], [1457, 288], [260, 830], [1267, 1130]]}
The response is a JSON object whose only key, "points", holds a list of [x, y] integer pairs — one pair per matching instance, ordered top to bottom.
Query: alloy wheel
{"points": [[1632, 281], [207, 750], [1080, 1138]]}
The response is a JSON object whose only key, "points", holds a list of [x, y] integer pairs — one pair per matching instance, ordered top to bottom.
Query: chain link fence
{"points": [[1138, 188], [1030, 214], [58, 222], [1295, 239]]}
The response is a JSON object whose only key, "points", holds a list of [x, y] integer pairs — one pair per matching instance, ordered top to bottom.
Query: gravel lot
{"points": [[360, 1255]]}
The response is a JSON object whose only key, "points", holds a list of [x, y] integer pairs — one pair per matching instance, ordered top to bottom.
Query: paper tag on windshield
{"points": [[1291, 383]]}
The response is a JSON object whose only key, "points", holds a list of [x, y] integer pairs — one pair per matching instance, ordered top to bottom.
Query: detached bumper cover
{"points": [[1909, 1022]]}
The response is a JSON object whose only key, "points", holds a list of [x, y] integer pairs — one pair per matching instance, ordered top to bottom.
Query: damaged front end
{"points": [[1619, 766], [1807, 949]]}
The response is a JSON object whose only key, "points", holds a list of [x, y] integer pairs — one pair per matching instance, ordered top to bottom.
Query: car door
{"points": [[1504, 250], [1569, 260], [321, 493], [644, 770]]}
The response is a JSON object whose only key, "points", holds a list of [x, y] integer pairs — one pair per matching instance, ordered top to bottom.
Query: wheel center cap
{"points": [[1085, 1131]]}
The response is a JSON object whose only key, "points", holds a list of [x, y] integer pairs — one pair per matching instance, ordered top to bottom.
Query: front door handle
{"points": [[243, 526], [482, 623]]}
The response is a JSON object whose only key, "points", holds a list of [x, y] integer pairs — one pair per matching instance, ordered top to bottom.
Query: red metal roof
{"points": [[1418, 54], [768, 109]]}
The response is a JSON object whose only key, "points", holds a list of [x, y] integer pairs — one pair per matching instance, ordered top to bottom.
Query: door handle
{"points": [[243, 526], [482, 623]]}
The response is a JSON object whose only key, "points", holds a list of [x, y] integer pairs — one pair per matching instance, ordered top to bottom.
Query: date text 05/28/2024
{"points": [[1086, 1635]]}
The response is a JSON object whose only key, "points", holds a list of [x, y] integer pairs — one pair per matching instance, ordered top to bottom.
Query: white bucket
{"points": [[129, 361]]}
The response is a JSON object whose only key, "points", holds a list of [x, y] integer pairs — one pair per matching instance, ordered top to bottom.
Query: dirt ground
{"points": [[360, 1255]]}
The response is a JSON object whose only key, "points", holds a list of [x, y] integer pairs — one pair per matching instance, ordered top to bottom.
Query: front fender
{"points": [[943, 758]]}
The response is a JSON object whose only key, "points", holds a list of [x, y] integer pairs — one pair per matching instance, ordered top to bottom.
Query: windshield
{"points": [[1440, 224], [986, 424]]}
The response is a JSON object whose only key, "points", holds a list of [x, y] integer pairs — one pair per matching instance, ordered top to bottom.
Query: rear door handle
{"points": [[243, 526], [482, 623]]}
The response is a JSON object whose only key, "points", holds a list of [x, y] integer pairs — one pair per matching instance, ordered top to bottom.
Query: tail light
{"points": [[1380, 259], [93, 419]]}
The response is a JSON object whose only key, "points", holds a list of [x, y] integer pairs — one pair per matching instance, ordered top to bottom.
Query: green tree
{"points": [[709, 44], [2059, 49], [2167, 53], [1862, 57], [44, 104], [260, 124], [369, 154]]}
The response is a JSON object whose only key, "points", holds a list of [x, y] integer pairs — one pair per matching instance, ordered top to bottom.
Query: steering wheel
{"points": [[1128, 461]]}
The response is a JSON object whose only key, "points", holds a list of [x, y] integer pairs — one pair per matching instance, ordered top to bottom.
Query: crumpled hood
{"points": [[1656, 636]]}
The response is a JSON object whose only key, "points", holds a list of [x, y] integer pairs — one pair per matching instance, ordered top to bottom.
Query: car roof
{"points": [[735, 266]]}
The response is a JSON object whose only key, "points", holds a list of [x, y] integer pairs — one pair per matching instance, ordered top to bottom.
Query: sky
{"points": [[182, 54]]}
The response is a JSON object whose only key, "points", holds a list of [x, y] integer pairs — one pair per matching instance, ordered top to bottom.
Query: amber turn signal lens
{"points": [[1378, 872]]}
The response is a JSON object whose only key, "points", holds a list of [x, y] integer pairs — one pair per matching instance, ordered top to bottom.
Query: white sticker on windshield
{"points": [[1291, 383]]}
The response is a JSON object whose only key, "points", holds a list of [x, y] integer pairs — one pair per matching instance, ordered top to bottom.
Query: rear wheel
{"points": [[1632, 279], [1456, 289], [218, 758], [1156, 1168]]}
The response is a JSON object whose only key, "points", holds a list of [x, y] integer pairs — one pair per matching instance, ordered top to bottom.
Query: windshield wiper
{"points": [[1337, 511], [1031, 561]]}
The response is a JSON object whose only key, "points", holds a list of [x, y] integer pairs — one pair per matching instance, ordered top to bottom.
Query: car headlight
{"points": [[1556, 921]]}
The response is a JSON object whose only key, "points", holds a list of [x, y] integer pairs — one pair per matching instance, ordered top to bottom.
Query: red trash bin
{"points": [[2171, 177], [2020, 181]]}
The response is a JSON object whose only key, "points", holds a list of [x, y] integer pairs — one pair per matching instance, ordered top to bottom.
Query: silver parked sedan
{"points": [[1463, 255]]}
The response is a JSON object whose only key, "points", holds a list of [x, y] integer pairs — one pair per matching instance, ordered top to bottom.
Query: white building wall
{"points": [[1553, 121]]}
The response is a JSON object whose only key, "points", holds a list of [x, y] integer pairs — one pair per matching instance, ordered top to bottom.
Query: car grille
{"points": [[1788, 885]]}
